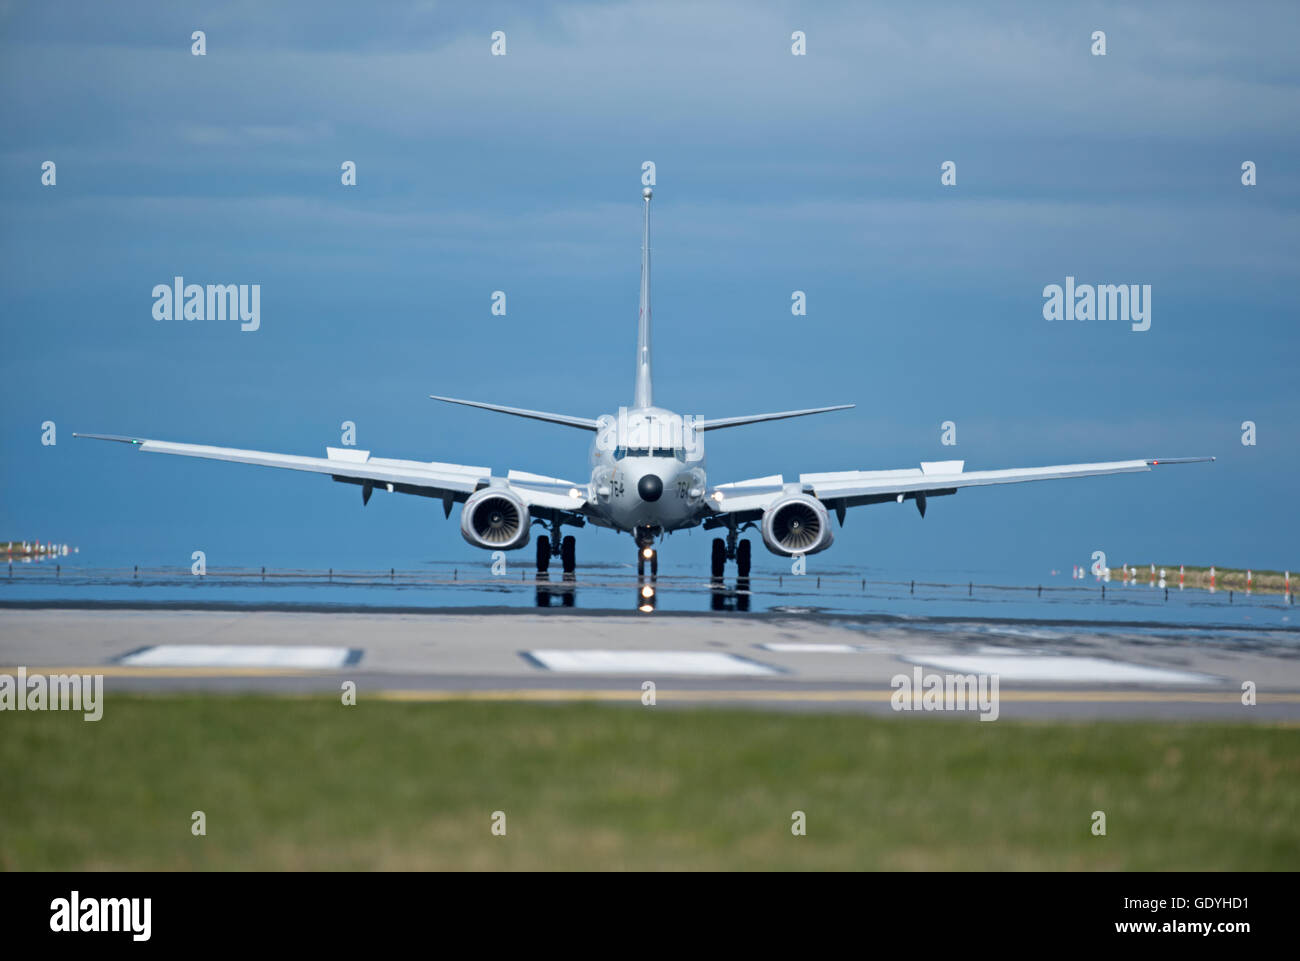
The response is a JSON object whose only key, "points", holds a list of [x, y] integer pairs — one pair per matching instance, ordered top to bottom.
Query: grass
{"points": [[305, 783]]}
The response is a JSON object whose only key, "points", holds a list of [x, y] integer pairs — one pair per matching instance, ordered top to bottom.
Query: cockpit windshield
{"points": [[677, 452]]}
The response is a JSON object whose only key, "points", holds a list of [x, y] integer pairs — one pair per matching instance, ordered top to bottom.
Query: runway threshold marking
{"points": [[296, 656], [639, 663]]}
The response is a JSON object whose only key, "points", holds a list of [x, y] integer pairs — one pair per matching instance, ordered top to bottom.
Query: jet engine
{"points": [[495, 519], [797, 524]]}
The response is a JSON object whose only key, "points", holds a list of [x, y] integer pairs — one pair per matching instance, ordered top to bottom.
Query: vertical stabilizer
{"points": [[644, 393]]}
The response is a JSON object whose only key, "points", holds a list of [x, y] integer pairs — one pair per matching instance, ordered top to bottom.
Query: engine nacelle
{"points": [[495, 519], [797, 524]]}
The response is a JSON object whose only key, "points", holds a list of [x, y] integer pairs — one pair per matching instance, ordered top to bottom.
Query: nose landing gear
{"points": [[645, 551]]}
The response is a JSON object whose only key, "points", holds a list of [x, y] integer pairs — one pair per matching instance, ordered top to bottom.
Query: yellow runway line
{"points": [[117, 670], [633, 693], [867, 696]]}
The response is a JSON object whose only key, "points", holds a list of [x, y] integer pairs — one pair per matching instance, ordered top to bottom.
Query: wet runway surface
{"points": [[616, 588], [784, 642]]}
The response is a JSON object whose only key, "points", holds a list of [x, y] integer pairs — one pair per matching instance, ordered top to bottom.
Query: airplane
{"points": [[648, 479]]}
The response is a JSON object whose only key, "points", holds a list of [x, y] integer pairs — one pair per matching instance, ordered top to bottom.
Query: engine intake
{"points": [[495, 520], [797, 524]]}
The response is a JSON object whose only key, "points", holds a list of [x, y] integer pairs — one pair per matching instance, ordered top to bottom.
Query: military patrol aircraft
{"points": [[647, 479]]}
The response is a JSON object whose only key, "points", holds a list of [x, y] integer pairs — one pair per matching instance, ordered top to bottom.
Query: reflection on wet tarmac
{"points": [[566, 591], [837, 593], [647, 597], [736, 599]]}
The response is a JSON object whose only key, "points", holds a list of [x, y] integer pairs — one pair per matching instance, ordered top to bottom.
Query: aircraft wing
{"points": [[450, 482], [842, 489]]}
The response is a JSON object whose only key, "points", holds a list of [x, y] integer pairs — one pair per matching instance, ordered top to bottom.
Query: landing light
{"points": [[574, 492], [717, 496], [647, 553], [647, 591]]}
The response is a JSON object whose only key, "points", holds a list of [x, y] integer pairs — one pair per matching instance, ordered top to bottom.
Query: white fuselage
{"points": [[647, 471]]}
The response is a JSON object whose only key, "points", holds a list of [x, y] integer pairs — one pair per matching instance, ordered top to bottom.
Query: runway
{"points": [[794, 661]]}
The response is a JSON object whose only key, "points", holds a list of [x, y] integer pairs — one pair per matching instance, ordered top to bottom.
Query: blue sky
{"points": [[774, 173]]}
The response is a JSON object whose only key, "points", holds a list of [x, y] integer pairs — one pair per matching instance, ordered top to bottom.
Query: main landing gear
{"points": [[565, 549], [731, 549]]}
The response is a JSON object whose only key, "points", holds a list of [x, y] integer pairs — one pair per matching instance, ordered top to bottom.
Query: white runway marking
{"points": [[784, 647], [239, 655], [648, 662], [1081, 670]]}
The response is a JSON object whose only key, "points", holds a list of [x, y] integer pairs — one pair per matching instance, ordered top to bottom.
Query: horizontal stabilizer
{"points": [[719, 422], [586, 423]]}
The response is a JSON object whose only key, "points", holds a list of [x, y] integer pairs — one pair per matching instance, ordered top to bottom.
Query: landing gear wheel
{"points": [[543, 554], [568, 554], [719, 557], [742, 559]]}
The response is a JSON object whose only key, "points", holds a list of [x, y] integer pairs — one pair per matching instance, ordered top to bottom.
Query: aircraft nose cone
{"points": [[650, 488]]}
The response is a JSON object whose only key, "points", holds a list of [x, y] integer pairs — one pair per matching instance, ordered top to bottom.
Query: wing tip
{"points": [[119, 438], [1157, 461]]}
